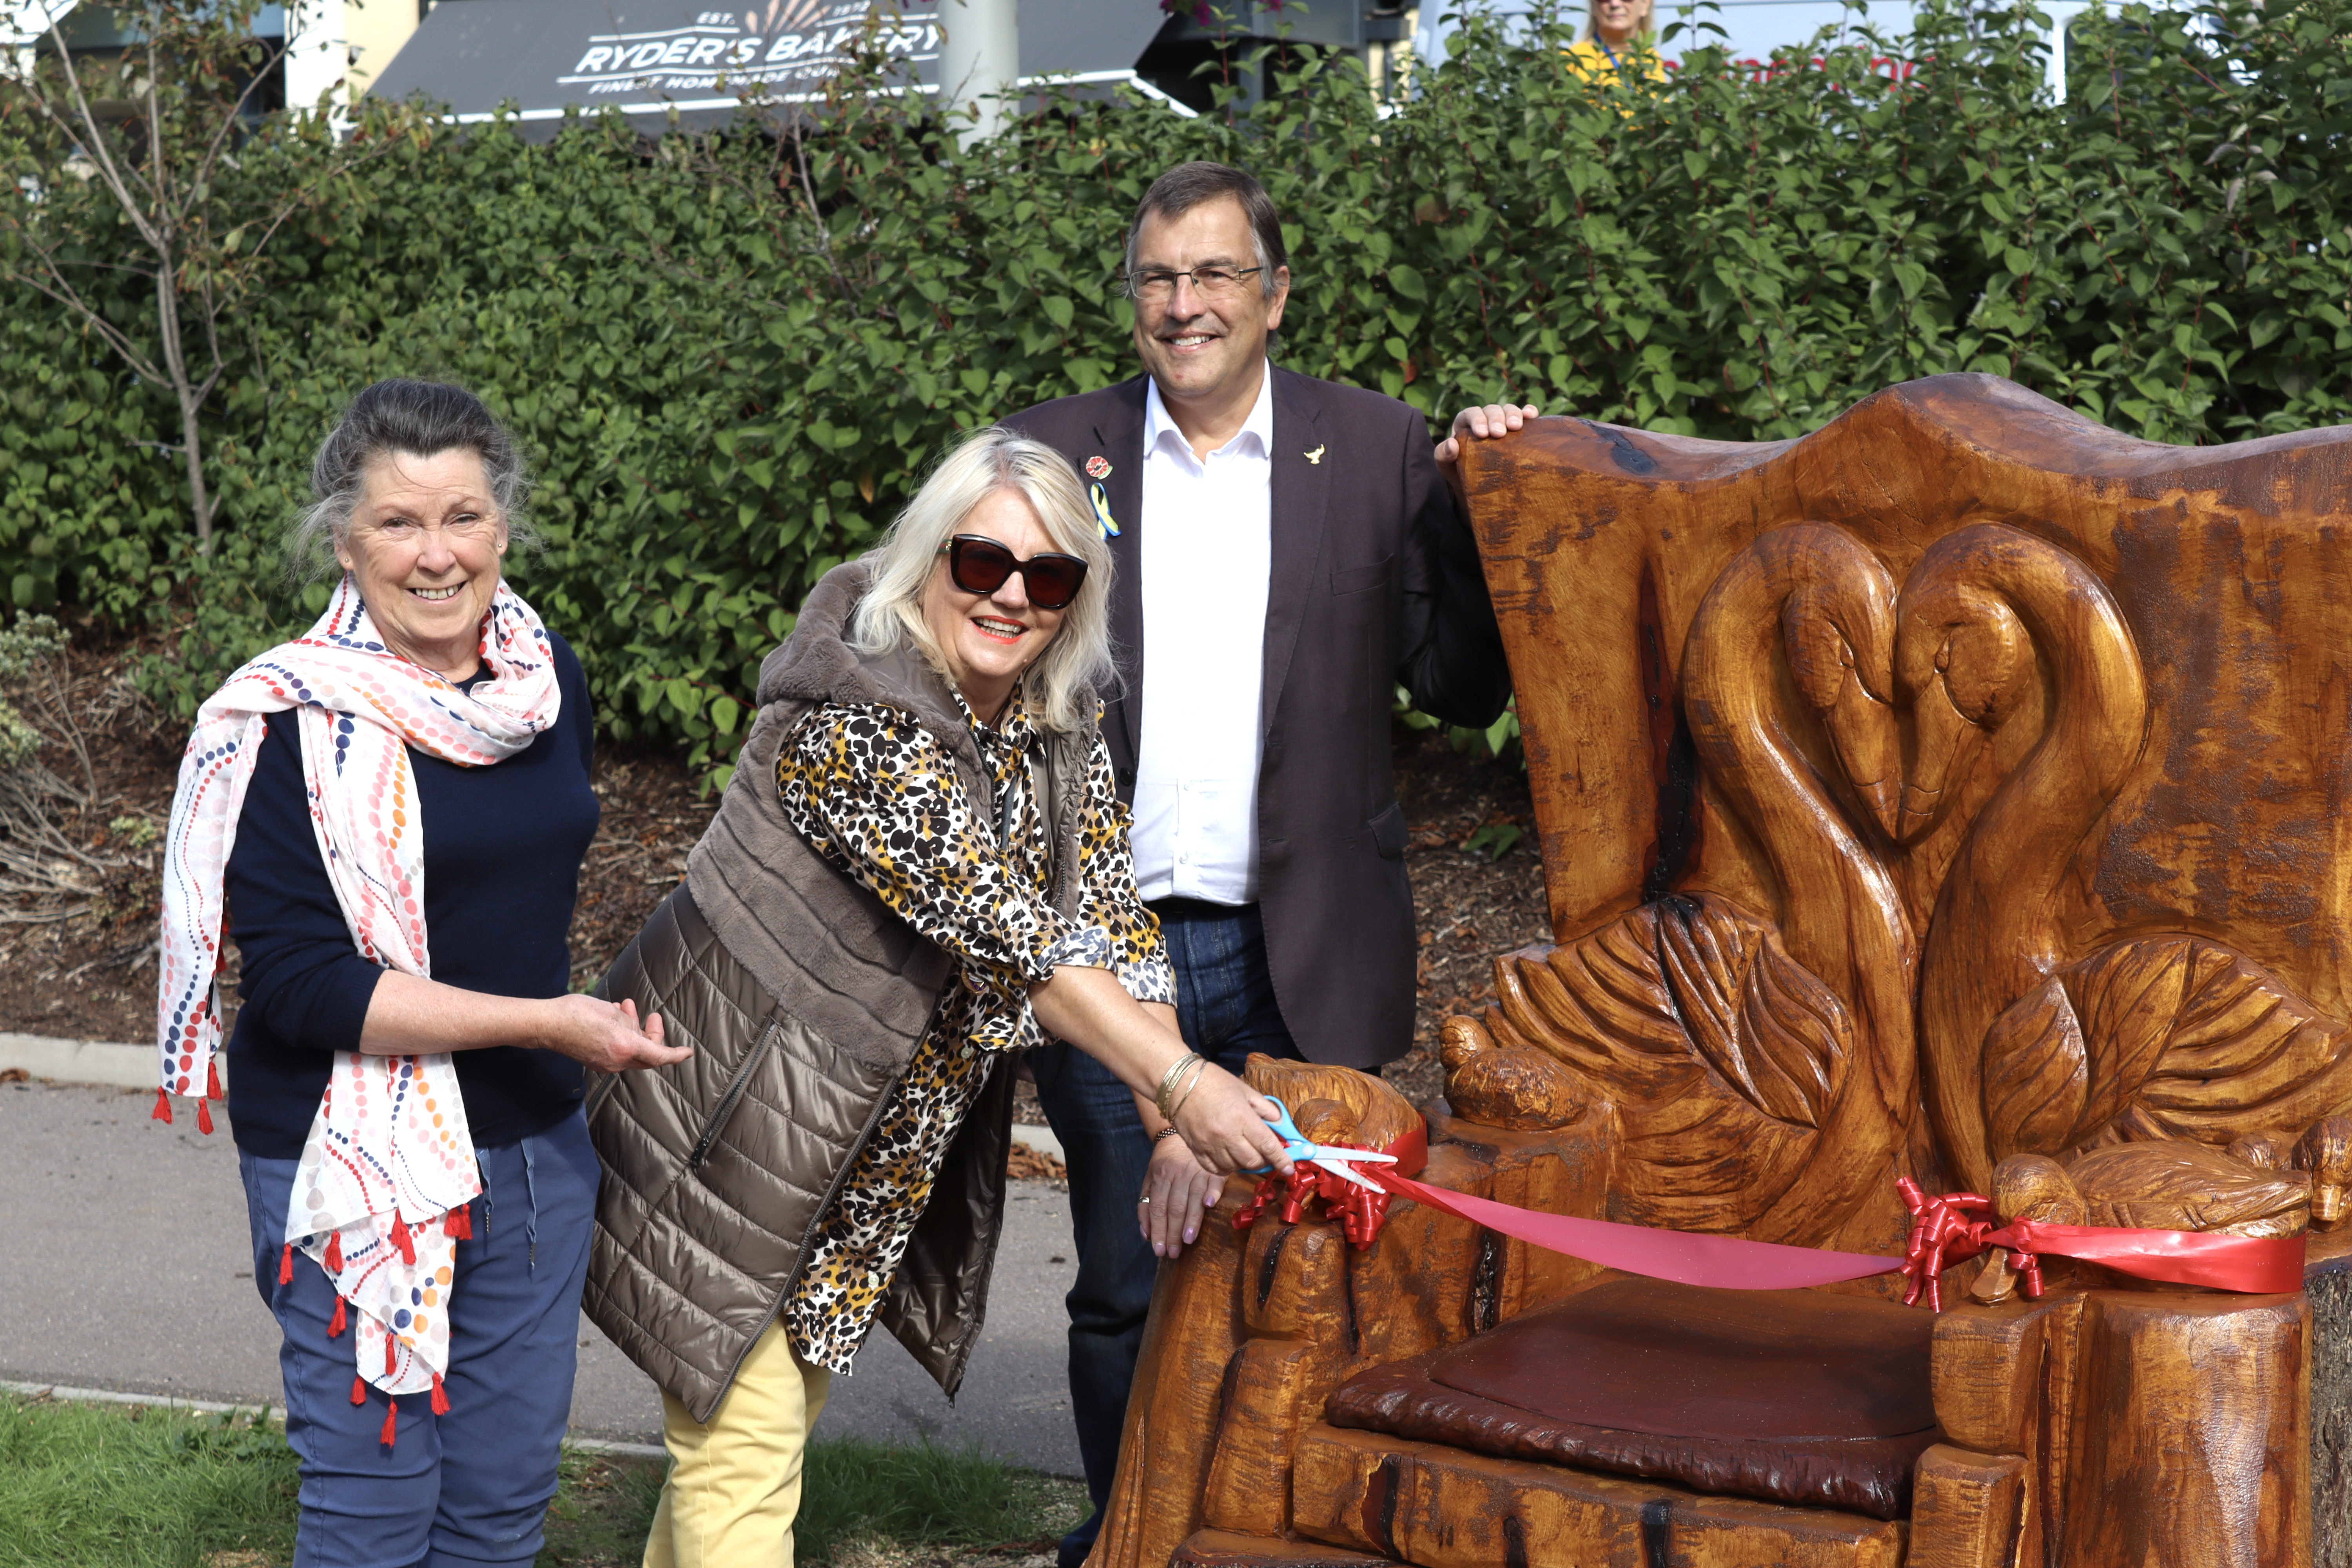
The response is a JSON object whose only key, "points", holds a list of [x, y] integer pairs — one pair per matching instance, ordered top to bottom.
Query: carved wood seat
{"points": [[1957, 791], [1796, 1396]]}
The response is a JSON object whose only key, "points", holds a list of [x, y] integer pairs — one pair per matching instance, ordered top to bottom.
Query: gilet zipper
{"points": [[735, 1090]]}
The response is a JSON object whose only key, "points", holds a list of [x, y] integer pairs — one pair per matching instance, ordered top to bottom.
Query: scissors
{"points": [[1338, 1162]]}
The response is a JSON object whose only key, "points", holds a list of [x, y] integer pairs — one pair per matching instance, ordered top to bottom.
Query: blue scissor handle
{"points": [[1294, 1143]]}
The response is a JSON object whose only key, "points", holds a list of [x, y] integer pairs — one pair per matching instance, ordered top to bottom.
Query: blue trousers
{"points": [[1226, 1009], [472, 1487]]}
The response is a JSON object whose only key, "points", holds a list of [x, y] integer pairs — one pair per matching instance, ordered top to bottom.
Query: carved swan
{"points": [[1976, 609], [2156, 1038], [1734, 1052]]}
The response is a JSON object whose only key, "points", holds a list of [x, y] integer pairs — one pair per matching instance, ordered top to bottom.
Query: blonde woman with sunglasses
{"points": [[919, 867]]}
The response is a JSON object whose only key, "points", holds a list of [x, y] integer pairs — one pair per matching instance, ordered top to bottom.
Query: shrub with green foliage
{"points": [[734, 355]]}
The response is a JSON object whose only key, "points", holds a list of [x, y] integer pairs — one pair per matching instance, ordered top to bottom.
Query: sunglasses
{"points": [[978, 564]]}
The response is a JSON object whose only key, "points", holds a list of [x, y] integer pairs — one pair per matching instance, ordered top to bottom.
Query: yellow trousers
{"points": [[734, 1485]]}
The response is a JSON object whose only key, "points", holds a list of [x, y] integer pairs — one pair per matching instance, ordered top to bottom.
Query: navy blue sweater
{"points": [[502, 851]]}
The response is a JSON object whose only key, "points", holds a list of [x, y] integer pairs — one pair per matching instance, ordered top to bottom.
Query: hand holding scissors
{"points": [[1338, 1162]]}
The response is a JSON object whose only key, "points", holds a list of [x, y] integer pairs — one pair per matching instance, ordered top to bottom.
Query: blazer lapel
{"points": [[1118, 436], [1302, 494]]}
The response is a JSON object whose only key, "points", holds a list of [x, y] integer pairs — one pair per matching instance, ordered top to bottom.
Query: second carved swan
{"points": [[2026, 1049]]}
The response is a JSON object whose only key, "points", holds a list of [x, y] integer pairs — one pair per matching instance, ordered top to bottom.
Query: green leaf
{"points": [[1495, 840]]}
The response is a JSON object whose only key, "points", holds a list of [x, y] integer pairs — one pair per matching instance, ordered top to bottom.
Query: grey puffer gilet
{"points": [[803, 997]]}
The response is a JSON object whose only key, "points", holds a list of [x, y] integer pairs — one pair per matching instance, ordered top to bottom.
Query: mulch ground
{"points": [[91, 976]]}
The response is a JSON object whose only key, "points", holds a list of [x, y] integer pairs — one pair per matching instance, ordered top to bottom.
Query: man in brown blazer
{"points": [[1287, 552]]}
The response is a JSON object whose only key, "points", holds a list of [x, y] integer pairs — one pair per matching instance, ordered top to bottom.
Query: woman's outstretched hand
{"points": [[607, 1036], [1225, 1122]]}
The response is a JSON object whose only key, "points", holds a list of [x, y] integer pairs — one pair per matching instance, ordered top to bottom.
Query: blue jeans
{"points": [[1225, 1007], [472, 1487]]}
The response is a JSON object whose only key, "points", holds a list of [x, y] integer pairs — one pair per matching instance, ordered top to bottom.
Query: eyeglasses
{"points": [[1157, 284], [978, 564]]}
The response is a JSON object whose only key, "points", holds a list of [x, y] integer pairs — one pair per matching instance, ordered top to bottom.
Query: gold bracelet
{"points": [[1168, 1082], [1185, 1084], [1189, 1088]]}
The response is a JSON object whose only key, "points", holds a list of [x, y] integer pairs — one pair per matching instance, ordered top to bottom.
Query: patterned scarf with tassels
{"points": [[387, 1173]]}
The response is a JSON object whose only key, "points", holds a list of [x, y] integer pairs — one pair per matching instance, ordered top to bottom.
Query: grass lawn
{"points": [[130, 1486]]}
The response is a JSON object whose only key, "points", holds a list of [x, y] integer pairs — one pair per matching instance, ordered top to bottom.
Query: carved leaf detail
{"points": [[2163, 1038], [1722, 1053]]}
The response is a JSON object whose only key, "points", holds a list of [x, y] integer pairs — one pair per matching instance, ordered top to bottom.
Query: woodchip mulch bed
{"points": [[91, 975]]}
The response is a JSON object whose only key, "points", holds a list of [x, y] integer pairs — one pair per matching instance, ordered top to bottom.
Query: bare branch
{"points": [[199, 60], [237, 111], [94, 136], [159, 171], [65, 294]]}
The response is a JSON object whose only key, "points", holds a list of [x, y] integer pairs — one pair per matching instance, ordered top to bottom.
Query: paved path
{"points": [[130, 1270]]}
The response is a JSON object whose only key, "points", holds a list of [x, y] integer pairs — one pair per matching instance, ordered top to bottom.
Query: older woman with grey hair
{"points": [[391, 810], [920, 867]]}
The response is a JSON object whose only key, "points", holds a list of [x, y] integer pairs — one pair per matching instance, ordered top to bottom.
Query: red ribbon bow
{"points": [[1360, 1211], [1943, 1234]]}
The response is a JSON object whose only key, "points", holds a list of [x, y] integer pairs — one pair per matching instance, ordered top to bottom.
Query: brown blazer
{"points": [[1375, 581]]}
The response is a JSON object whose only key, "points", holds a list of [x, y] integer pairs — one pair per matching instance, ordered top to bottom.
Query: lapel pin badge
{"points": [[1316, 456], [1097, 466], [1102, 506]]}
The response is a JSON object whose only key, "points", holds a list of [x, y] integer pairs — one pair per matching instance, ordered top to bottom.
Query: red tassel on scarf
{"points": [[212, 1080], [162, 1111], [205, 1117], [458, 1223], [400, 1238], [334, 1252], [285, 1265], [335, 1324], [388, 1353], [359, 1390], [440, 1400], [390, 1416]]}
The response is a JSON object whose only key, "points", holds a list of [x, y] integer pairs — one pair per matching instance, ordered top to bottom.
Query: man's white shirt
{"points": [[1206, 554]]}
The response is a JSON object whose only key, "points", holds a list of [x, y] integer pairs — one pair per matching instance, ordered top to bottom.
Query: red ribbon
{"points": [[1360, 1211], [1944, 1230], [1943, 1233], [1725, 1261]]}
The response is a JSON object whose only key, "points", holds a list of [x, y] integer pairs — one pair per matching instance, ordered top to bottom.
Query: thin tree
{"points": [[129, 164]]}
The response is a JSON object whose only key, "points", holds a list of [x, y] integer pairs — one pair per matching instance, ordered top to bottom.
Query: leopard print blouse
{"points": [[881, 800]]}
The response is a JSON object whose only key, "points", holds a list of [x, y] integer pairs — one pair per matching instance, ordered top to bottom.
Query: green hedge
{"points": [[734, 357]]}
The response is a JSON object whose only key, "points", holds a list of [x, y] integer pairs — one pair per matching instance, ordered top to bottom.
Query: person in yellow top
{"points": [[1617, 33]]}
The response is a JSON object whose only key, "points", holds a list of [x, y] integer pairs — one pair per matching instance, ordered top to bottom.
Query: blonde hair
{"points": [[1645, 26], [890, 615]]}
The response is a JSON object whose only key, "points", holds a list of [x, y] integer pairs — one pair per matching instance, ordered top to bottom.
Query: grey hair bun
{"points": [[423, 419]]}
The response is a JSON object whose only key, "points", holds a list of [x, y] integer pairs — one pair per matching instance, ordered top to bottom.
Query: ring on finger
{"points": [[1144, 1200]]}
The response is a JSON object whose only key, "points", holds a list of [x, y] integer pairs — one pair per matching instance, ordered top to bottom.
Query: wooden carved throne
{"points": [[1962, 791]]}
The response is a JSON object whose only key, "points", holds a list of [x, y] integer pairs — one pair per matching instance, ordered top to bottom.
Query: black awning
{"points": [[651, 58]]}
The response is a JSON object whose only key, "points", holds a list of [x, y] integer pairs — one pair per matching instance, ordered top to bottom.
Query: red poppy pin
{"points": [[1098, 467]]}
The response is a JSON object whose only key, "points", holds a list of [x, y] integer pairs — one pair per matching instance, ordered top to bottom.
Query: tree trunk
{"points": [[167, 323], [191, 445], [2330, 1288]]}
